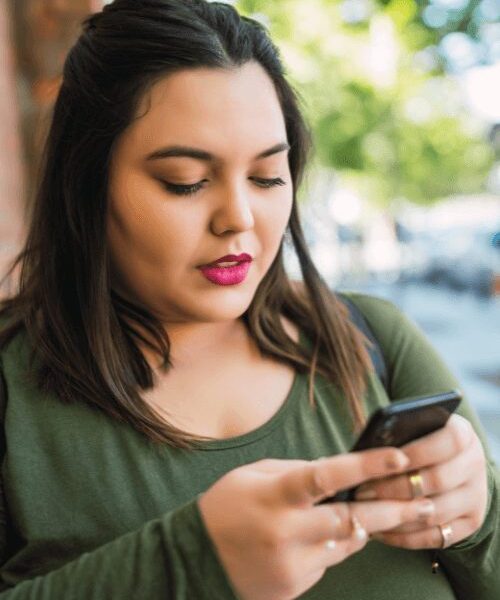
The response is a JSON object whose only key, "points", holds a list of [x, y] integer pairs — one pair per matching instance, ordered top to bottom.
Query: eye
{"points": [[267, 183], [183, 190], [187, 190]]}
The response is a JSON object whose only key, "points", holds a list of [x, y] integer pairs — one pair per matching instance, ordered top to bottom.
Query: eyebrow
{"points": [[176, 151]]}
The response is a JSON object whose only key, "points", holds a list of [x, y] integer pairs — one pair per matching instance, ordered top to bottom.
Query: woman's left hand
{"points": [[452, 468]]}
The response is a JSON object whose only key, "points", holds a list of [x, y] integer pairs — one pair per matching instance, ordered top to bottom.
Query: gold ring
{"points": [[416, 484], [358, 530], [446, 535]]}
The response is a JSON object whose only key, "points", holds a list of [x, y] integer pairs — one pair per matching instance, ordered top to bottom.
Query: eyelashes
{"points": [[188, 190]]}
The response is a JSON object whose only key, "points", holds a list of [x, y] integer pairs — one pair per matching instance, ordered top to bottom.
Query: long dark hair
{"points": [[81, 331]]}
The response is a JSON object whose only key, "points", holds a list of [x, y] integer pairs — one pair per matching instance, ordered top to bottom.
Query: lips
{"points": [[232, 259], [227, 275]]}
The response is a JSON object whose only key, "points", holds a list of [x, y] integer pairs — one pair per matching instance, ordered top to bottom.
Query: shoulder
{"points": [[369, 303], [370, 306], [374, 308], [381, 315], [387, 321], [390, 325]]}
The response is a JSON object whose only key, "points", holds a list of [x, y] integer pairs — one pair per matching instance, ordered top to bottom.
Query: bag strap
{"points": [[375, 351], [3, 404]]}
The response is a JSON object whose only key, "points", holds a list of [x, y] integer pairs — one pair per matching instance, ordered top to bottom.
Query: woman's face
{"points": [[241, 203]]}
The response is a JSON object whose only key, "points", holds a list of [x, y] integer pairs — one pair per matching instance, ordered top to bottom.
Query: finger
{"points": [[441, 445], [277, 465], [318, 479], [434, 480], [448, 507], [334, 521], [430, 537], [328, 551], [324, 553], [321, 555]]}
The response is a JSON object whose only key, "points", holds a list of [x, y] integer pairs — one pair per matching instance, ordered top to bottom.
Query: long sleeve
{"points": [[417, 369], [168, 558]]}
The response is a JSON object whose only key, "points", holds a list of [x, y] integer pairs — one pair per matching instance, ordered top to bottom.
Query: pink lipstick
{"points": [[228, 270]]}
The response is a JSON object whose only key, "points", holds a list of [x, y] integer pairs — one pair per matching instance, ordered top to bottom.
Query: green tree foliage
{"points": [[385, 114]]}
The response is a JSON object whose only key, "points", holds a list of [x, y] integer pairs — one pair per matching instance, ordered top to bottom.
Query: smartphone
{"points": [[401, 422]]}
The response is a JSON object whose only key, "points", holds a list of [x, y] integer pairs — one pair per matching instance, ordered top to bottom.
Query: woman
{"points": [[168, 390]]}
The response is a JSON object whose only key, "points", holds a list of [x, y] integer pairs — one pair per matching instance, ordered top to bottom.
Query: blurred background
{"points": [[402, 197]]}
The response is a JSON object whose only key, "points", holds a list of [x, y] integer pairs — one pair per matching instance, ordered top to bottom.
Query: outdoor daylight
{"points": [[249, 299]]}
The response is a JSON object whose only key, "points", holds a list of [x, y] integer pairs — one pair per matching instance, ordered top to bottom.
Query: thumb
{"points": [[303, 483]]}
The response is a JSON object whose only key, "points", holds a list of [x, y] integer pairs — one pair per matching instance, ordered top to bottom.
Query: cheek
{"points": [[272, 221], [133, 234], [146, 239], [150, 256]]}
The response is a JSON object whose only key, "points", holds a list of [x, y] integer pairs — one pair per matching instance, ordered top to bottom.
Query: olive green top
{"points": [[91, 510]]}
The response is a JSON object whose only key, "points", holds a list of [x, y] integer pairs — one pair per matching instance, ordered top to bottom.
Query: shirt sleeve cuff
{"points": [[195, 566]]}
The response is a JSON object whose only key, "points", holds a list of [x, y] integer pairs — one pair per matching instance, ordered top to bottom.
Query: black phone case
{"points": [[401, 422]]}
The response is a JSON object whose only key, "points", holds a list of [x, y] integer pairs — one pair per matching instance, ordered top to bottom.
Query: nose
{"points": [[233, 211]]}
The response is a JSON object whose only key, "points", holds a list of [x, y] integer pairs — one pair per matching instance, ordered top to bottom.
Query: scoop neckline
{"points": [[264, 429]]}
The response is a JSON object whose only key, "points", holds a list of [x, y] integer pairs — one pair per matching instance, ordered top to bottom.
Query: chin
{"points": [[225, 312]]}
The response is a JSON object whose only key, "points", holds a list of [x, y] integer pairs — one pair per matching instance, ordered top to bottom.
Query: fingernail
{"points": [[398, 461], [367, 493], [426, 509]]}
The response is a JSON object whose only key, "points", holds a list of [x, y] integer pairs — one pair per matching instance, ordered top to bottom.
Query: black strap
{"points": [[376, 354], [3, 404]]}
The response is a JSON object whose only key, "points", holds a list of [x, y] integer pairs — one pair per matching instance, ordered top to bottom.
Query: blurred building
{"points": [[35, 36]]}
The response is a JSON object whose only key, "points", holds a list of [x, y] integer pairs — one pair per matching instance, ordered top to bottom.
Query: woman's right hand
{"points": [[269, 535]]}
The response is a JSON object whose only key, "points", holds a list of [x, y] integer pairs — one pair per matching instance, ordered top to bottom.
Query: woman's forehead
{"points": [[209, 88], [212, 109]]}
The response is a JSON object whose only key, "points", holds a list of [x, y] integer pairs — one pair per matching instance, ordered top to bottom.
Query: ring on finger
{"points": [[416, 484], [357, 530], [446, 535], [330, 544]]}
